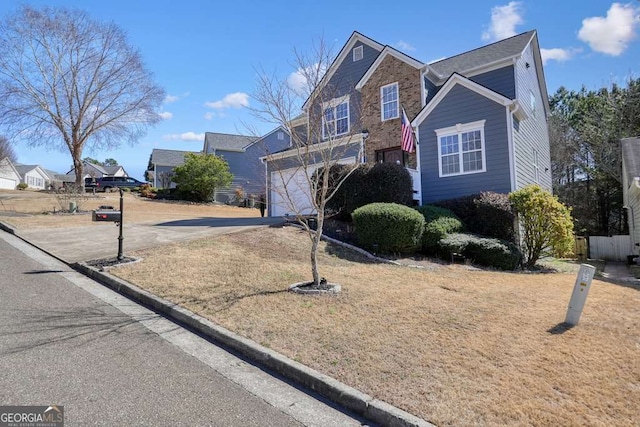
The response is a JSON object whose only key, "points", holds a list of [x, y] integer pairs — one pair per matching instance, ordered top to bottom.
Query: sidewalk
{"points": [[618, 270]]}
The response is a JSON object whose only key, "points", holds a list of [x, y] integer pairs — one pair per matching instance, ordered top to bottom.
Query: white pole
{"points": [[580, 292]]}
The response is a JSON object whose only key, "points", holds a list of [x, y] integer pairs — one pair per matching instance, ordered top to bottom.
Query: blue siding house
{"points": [[480, 118]]}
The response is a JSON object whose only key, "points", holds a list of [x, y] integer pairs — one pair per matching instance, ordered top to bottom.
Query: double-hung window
{"points": [[389, 102], [335, 117], [461, 149]]}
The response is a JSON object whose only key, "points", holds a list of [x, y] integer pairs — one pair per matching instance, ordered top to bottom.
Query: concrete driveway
{"points": [[75, 244]]}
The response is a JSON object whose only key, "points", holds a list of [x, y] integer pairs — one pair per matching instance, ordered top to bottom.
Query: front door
{"points": [[393, 155]]}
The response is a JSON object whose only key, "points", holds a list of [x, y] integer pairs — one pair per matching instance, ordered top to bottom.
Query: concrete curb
{"points": [[7, 228], [362, 404]]}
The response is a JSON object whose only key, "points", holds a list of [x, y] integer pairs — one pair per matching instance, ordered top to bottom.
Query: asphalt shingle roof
{"points": [[483, 55], [225, 141], [630, 148], [168, 157], [22, 169], [111, 169]]}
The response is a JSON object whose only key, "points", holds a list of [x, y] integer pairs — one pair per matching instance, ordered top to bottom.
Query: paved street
{"points": [[66, 340]]}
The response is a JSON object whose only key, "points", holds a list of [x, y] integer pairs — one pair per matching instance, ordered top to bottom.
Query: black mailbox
{"points": [[107, 215]]}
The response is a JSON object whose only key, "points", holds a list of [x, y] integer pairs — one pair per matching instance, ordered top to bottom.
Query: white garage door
{"points": [[8, 184], [290, 191]]}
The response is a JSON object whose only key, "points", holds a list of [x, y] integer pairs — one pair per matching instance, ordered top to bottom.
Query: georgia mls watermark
{"points": [[32, 416]]}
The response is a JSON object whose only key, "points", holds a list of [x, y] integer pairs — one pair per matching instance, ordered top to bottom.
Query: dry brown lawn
{"points": [[41, 205], [453, 345]]}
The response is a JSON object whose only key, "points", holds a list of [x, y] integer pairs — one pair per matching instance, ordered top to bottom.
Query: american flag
{"points": [[408, 143]]}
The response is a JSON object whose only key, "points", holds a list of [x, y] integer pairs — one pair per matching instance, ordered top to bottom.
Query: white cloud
{"points": [[504, 20], [611, 35], [402, 45], [558, 54], [298, 80], [170, 98], [232, 100], [166, 115], [209, 115], [187, 136]]}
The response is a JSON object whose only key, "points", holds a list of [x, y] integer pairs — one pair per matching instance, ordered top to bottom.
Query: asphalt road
{"points": [[66, 340]]}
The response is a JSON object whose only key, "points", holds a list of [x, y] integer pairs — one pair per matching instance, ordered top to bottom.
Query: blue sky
{"points": [[206, 53]]}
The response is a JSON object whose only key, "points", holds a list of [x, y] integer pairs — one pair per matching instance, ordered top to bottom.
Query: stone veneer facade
{"points": [[388, 134]]}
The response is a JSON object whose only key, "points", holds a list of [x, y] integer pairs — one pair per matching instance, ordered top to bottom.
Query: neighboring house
{"points": [[480, 118], [630, 149], [242, 154], [163, 162], [91, 170], [9, 176], [34, 176]]}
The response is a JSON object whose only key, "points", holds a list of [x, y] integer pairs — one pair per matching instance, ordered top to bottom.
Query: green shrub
{"points": [[382, 182], [22, 186], [126, 190], [487, 214], [438, 223], [546, 223], [388, 227], [437, 229], [489, 252]]}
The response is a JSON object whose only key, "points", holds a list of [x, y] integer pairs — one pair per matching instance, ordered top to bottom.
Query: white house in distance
{"points": [[630, 148], [33, 175], [9, 176]]}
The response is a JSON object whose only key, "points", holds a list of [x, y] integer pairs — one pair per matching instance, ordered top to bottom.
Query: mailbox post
{"points": [[111, 215], [120, 238]]}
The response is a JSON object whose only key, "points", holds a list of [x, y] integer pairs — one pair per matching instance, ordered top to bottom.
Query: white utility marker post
{"points": [[580, 292]]}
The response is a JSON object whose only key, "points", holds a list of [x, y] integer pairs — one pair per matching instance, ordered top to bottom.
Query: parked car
{"points": [[107, 183]]}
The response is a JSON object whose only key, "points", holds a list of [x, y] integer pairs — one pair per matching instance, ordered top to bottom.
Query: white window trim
{"points": [[358, 53], [382, 102], [333, 104], [459, 129], [536, 166]]}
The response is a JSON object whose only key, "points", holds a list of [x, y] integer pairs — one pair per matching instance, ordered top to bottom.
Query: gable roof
{"points": [[346, 50], [388, 51], [483, 56], [454, 80], [227, 142], [630, 148], [160, 157], [7, 161], [99, 168], [24, 169], [111, 170]]}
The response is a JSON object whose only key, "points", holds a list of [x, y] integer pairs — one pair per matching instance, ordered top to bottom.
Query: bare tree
{"points": [[68, 81], [319, 139], [6, 150], [165, 178]]}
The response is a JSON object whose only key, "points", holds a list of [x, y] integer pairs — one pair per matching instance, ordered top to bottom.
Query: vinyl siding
{"points": [[344, 80], [501, 80], [462, 105], [532, 132], [246, 167]]}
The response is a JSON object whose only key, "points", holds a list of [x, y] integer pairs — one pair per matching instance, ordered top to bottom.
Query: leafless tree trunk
{"points": [[67, 81], [316, 145]]}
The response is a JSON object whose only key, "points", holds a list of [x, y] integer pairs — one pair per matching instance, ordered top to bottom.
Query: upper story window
{"points": [[358, 53], [389, 102], [532, 103], [335, 117], [280, 136], [461, 149]]}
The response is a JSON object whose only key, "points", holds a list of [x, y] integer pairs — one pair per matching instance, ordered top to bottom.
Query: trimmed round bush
{"points": [[382, 182], [487, 214], [438, 223], [388, 227], [489, 252]]}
